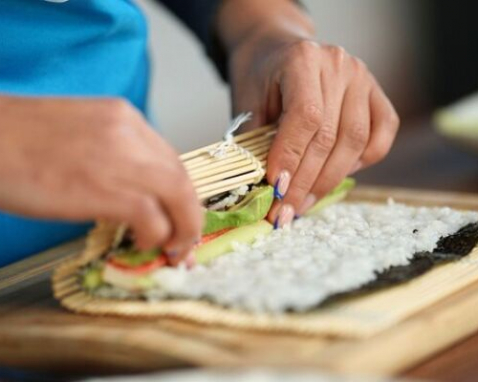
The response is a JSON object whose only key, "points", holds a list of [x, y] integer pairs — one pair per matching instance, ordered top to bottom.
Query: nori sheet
{"points": [[449, 248]]}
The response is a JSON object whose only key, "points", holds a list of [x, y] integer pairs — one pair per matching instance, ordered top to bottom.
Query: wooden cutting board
{"points": [[35, 332]]}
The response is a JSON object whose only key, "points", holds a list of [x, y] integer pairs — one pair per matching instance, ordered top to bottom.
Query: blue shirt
{"points": [[73, 48]]}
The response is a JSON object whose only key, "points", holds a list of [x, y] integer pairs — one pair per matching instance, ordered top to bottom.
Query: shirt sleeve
{"points": [[200, 16]]}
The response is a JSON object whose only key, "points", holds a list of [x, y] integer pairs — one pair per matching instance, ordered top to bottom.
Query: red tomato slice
{"points": [[212, 236], [150, 266]]}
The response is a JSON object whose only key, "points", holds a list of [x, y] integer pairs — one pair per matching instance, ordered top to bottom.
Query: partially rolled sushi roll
{"points": [[234, 217]]}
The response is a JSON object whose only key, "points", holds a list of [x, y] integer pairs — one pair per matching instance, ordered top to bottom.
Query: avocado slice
{"points": [[334, 196], [252, 208], [223, 244]]}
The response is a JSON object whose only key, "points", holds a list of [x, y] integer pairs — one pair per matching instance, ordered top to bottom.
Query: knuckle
{"points": [[304, 48], [337, 54], [358, 64], [311, 116], [393, 120], [357, 135], [324, 140], [291, 154], [299, 189]]}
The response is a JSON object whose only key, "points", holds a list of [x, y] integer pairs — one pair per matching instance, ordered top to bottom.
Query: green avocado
{"points": [[334, 196], [252, 208], [223, 244], [133, 258], [92, 278]]}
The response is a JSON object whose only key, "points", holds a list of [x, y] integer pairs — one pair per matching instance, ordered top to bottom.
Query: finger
{"points": [[300, 120], [384, 128], [352, 140], [320, 146], [168, 183], [174, 190], [89, 200], [142, 213], [186, 216], [149, 222]]}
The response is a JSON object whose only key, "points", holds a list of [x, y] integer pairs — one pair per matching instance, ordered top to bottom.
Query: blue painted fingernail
{"points": [[281, 185], [277, 193], [276, 223]]}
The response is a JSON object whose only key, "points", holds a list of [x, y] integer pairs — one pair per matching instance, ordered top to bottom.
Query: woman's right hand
{"points": [[96, 158]]}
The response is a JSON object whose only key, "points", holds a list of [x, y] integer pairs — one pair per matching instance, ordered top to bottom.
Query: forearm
{"points": [[246, 20]]}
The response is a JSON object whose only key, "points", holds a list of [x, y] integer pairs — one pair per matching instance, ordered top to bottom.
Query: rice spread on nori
{"points": [[348, 248], [449, 248]]}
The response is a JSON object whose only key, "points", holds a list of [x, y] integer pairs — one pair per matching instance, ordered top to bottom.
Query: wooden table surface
{"points": [[421, 159]]}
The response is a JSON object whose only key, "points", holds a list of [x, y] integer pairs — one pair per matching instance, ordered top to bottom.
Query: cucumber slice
{"points": [[334, 196], [223, 244], [92, 278]]}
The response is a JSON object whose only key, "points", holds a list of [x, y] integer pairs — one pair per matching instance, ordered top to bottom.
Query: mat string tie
{"points": [[228, 143]]}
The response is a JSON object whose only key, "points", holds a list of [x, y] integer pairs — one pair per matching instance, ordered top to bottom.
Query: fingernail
{"points": [[356, 168], [281, 185], [308, 203], [284, 216], [296, 217], [276, 223], [171, 253], [190, 260]]}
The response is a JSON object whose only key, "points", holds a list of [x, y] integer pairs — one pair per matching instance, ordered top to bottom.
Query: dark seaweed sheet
{"points": [[449, 248]]}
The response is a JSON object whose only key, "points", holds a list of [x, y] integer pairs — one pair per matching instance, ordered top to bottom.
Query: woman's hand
{"points": [[333, 117], [84, 159]]}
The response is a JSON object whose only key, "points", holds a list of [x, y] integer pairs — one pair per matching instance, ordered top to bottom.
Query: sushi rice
{"points": [[336, 250]]}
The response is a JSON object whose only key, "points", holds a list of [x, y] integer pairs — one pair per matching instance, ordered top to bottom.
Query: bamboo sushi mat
{"points": [[222, 167], [358, 317]]}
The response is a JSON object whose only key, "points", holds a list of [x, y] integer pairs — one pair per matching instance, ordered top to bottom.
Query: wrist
{"points": [[253, 23]]}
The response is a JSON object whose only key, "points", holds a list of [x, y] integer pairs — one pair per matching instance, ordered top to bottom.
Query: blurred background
{"points": [[424, 53]]}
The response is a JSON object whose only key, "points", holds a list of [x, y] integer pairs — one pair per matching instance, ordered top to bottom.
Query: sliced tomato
{"points": [[212, 236], [150, 266]]}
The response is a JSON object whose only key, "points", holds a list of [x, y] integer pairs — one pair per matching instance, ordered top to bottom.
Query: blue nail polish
{"points": [[277, 193], [296, 217], [276, 223], [171, 253]]}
